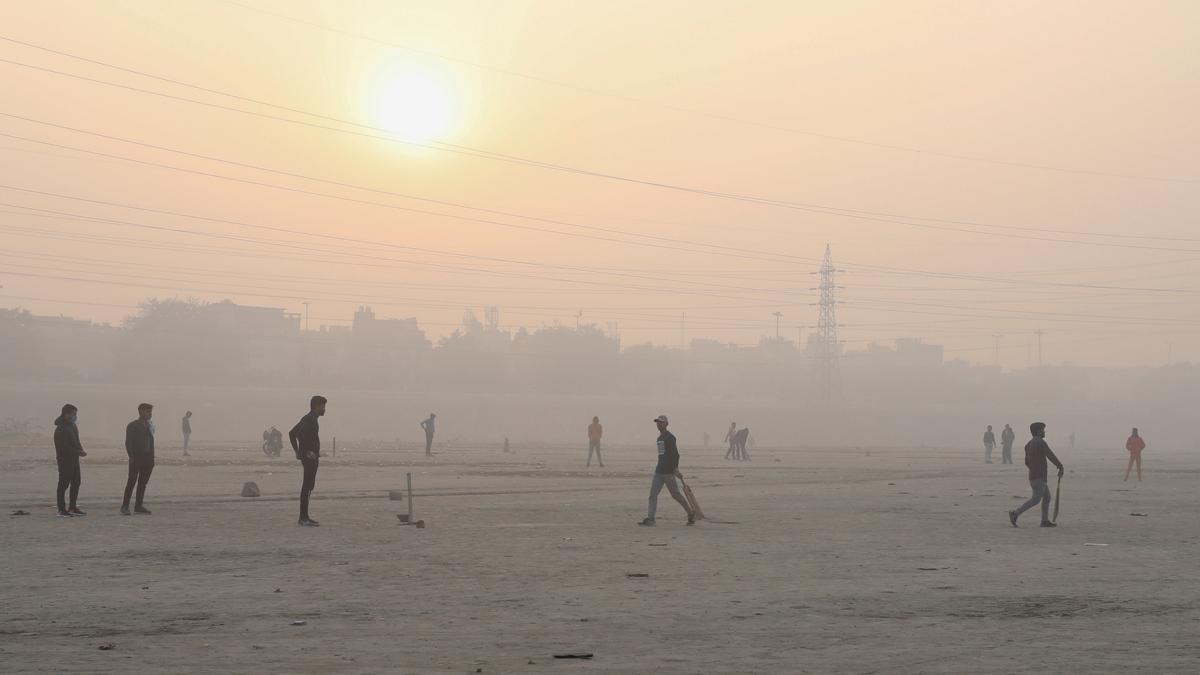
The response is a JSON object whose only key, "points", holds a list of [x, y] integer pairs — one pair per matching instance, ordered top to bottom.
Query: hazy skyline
{"points": [[977, 168]]}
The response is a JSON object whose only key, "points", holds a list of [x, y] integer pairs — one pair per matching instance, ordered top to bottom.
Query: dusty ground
{"points": [[901, 561]]}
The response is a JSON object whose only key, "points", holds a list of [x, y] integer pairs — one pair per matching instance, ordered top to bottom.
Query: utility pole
{"points": [[578, 316], [778, 316], [306, 317], [827, 328], [682, 329], [1039, 333], [997, 337]]}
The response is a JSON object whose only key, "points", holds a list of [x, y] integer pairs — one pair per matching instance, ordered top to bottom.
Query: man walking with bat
{"points": [[1037, 452], [664, 474]]}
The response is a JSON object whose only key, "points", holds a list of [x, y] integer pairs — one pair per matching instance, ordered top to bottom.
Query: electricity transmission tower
{"points": [[827, 354]]}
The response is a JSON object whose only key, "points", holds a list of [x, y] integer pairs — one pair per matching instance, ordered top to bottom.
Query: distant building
{"points": [[90, 347]]}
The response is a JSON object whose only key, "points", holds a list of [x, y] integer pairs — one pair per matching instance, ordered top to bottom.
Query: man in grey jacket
{"points": [[139, 445]]}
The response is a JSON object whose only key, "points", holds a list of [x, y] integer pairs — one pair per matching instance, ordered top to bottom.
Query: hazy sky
{"points": [[977, 167]]}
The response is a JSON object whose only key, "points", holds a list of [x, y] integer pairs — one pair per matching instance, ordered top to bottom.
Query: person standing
{"points": [[427, 425], [187, 431], [595, 433], [731, 436], [742, 437], [1007, 438], [306, 442], [989, 442], [139, 445], [1135, 445], [67, 451], [1036, 453], [664, 474]]}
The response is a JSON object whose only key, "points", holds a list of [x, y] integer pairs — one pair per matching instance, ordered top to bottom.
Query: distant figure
{"points": [[427, 425], [187, 431], [595, 433], [731, 436], [707, 438], [741, 438], [1007, 438], [1071, 439], [272, 442], [306, 442], [989, 442], [139, 445], [1135, 445], [507, 448], [67, 451], [1036, 454], [664, 474]]}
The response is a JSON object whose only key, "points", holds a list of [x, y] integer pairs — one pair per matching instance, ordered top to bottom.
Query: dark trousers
{"points": [[428, 442], [594, 446], [1006, 453], [140, 467], [68, 476], [310, 482]]}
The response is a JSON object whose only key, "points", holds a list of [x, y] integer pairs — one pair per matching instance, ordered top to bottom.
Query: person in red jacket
{"points": [[1135, 445]]}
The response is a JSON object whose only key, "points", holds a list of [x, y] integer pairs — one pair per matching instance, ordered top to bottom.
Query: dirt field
{"points": [[839, 561]]}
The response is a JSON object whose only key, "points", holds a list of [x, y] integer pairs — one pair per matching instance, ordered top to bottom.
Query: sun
{"points": [[416, 104]]}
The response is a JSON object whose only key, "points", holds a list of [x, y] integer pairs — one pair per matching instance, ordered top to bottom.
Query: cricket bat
{"points": [[691, 497], [1057, 500]]}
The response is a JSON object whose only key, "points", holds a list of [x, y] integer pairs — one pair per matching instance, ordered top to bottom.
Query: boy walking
{"points": [[1037, 451], [664, 474]]}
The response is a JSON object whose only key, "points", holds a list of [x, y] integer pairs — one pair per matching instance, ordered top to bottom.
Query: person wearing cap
{"points": [[427, 425], [595, 433], [306, 443], [139, 445], [67, 451], [1037, 451], [664, 474]]}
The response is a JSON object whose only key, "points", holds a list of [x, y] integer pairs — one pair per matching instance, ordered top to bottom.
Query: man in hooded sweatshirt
{"points": [[68, 450]]}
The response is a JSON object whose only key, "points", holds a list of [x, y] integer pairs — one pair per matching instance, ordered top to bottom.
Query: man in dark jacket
{"points": [[1007, 438], [306, 442], [989, 444], [139, 445], [68, 450], [1036, 454], [664, 474]]}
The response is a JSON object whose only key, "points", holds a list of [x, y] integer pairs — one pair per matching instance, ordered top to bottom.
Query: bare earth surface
{"points": [[898, 561]]}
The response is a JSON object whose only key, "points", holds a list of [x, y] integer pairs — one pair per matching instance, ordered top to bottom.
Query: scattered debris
{"points": [[250, 489], [396, 495], [19, 512], [1144, 515], [402, 517], [420, 524], [656, 544], [1090, 544], [928, 569], [637, 575], [278, 590], [299, 622], [107, 646], [580, 655]]}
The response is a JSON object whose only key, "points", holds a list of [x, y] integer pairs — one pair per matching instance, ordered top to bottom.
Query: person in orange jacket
{"points": [[1135, 445]]}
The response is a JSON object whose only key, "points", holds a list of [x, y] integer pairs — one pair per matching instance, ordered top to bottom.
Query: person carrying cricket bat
{"points": [[1037, 451], [664, 474]]}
